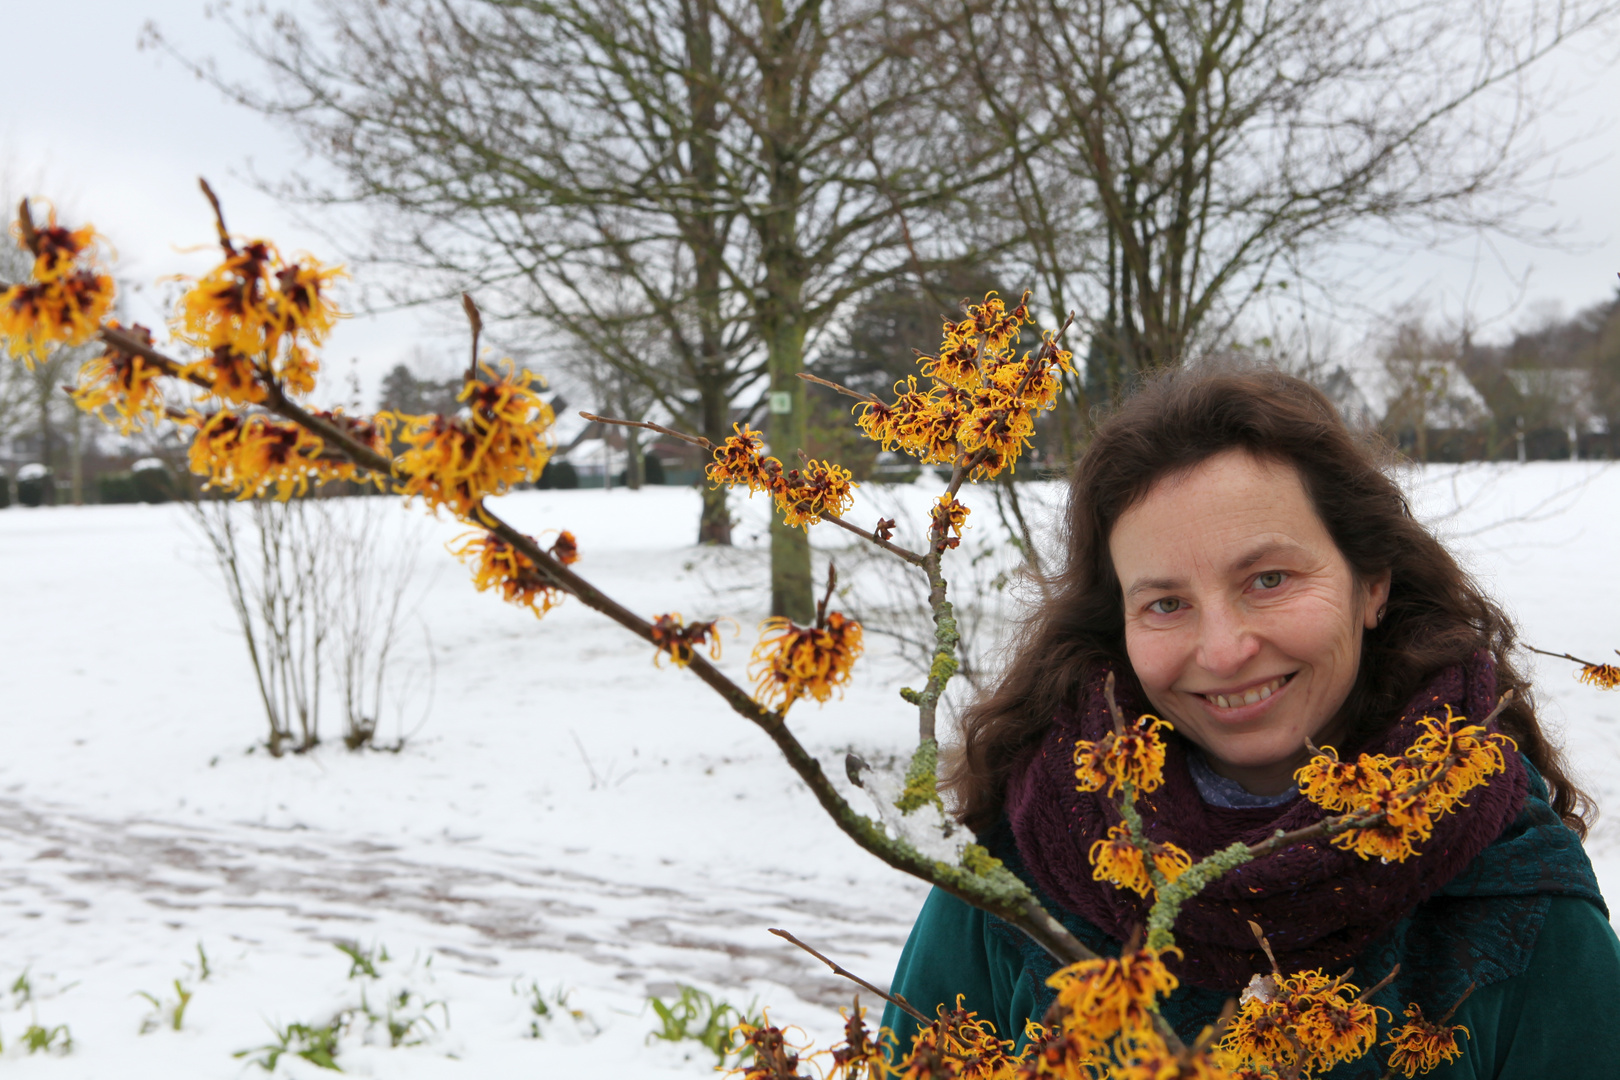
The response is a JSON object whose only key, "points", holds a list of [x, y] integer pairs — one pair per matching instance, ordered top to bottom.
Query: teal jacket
{"points": [[1525, 923]]}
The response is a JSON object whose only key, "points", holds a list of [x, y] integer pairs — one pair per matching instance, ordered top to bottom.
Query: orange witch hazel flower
{"points": [[67, 298], [254, 302], [124, 381], [983, 399], [504, 440], [252, 454], [803, 495], [948, 516], [500, 566], [679, 640], [791, 661], [1602, 676], [1132, 756], [1448, 759], [1116, 859], [1099, 1000], [1304, 1022], [1420, 1045], [959, 1046], [861, 1055], [773, 1057]]}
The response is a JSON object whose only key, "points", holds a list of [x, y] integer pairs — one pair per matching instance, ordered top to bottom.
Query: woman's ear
{"points": [[1377, 599]]}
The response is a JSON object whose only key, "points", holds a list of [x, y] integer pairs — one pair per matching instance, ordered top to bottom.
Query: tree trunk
{"points": [[781, 306], [714, 398], [76, 458], [48, 487], [714, 527]]}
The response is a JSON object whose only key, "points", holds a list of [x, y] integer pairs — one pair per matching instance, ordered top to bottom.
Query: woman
{"points": [[1241, 563]]}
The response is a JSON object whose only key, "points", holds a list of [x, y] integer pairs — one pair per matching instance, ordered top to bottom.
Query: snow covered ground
{"points": [[566, 818]]}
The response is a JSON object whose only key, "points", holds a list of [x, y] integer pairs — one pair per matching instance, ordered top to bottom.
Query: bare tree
{"points": [[1178, 158], [740, 168], [273, 576], [318, 588], [370, 603]]}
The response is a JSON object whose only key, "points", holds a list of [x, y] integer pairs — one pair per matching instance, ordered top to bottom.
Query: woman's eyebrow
{"points": [[1267, 550], [1142, 585]]}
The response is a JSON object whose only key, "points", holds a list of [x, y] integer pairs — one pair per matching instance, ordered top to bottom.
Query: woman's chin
{"points": [[1256, 757]]}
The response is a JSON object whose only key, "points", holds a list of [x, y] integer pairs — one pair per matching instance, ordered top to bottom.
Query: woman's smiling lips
{"points": [[1244, 702]]}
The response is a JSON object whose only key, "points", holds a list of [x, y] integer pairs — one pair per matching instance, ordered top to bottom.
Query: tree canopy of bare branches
{"points": [[1177, 158], [720, 175]]}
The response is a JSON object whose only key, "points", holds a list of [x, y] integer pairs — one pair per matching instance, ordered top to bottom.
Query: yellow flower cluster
{"points": [[67, 298], [256, 309], [236, 379], [124, 381], [983, 399], [504, 440], [251, 454], [804, 496], [948, 516], [500, 566], [679, 640], [791, 661], [1602, 676], [1133, 756], [1443, 764], [1116, 859], [1107, 1005], [1301, 1023], [1420, 1045], [960, 1046], [861, 1055], [773, 1057]]}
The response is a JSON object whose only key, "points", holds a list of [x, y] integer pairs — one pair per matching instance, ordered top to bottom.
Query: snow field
{"points": [[567, 815]]}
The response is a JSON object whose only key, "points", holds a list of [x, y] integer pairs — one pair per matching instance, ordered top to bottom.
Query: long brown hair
{"points": [[1436, 614]]}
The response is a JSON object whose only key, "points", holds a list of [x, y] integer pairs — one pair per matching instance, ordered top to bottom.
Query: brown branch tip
{"points": [[219, 216]]}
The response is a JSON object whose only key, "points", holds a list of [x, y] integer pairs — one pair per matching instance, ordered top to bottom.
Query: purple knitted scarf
{"points": [[1318, 905]]}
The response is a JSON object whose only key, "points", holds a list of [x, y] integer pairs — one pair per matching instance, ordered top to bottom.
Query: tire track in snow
{"points": [[58, 866]]}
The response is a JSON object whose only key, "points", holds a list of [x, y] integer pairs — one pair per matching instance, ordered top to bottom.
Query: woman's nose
{"points": [[1226, 642]]}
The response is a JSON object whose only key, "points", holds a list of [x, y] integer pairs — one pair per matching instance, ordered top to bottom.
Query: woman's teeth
{"points": [[1249, 696]]}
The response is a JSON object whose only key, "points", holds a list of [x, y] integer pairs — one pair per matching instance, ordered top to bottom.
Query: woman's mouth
{"points": [[1250, 696]]}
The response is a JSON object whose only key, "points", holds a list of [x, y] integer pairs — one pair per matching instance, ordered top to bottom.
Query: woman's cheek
{"points": [[1154, 656]]}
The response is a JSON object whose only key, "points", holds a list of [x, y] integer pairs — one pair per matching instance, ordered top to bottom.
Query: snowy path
{"points": [[69, 870]]}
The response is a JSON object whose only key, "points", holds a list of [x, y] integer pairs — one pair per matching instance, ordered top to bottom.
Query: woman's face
{"points": [[1243, 621]]}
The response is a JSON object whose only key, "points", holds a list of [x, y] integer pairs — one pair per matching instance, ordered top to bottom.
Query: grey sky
{"points": [[118, 136]]}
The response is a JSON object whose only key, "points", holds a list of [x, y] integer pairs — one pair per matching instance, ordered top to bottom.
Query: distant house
{"points": [[1340, 388], [1560, 398], [1435, 413]]}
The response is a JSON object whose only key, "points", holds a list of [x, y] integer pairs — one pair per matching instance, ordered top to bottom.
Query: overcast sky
{"points": [[118, 136]]}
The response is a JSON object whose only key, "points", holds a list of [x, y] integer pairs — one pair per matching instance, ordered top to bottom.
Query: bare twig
{"points": [[219, 217], [25, 227], [476, 321], [846, 391], [695, 440], [887, 545], [821, 608], [1564, 656], [1113, 706], [1260, 936], [1366, 995], [898, 1002], [1453, 1010]]}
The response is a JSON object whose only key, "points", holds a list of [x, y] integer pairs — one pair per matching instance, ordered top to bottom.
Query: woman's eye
{"points": [[1269, 580], [1167, 606]]}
